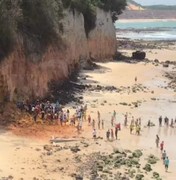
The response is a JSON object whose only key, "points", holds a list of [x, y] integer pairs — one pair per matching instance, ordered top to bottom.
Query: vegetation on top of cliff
{"points": [[88, 9], [37, 23]]}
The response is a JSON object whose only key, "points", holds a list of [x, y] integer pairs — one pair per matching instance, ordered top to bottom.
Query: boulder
{"points": [[139, 55], [165, 65], [137, 153], [147, 168], [139, 176]]}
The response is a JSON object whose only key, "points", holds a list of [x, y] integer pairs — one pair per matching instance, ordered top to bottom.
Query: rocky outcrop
{"points": [[28, 76]]}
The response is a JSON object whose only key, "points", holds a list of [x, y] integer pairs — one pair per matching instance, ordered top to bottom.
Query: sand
{"points": [[24, 157]]}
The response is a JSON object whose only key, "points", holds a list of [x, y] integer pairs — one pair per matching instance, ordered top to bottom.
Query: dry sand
{"points": [[25, 158]]}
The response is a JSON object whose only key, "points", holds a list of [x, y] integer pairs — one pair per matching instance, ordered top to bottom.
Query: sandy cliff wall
{"points": [[22, 77]]}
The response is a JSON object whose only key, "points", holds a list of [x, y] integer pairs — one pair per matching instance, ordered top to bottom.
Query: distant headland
{"points": [[137, 11]]}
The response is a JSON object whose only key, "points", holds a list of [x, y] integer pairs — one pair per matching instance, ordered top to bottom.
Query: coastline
{"points": [[143, 20], [23, 151]]}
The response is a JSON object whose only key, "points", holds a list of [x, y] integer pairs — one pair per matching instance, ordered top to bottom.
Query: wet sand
{"points": [[25, 158]]}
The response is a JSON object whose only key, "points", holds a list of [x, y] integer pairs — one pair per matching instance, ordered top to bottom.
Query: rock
{"points": [[139, 55], [156, 61], [165, 65], [47, 147], [37, 149], [75, 149], [49, 153], [137, 153], [152, 159], [147, 168], [156, 175], [104, 176], [139, 176], [77, 177]]}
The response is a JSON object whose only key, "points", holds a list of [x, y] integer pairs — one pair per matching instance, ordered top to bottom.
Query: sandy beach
{"points": [[25, 157]]}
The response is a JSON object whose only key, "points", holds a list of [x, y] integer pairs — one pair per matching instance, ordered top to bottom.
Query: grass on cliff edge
{"points": [[37, 22]]}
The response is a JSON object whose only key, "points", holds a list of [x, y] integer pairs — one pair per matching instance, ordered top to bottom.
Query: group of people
{"points": [[53, 112], [166, 121], [134, 125], [164, 155]]}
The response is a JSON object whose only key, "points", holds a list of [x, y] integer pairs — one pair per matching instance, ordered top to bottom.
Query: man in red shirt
{"points": [[162, 145]]}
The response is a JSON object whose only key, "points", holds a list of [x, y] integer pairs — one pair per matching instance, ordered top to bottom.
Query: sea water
{"points": [[148, 29]]}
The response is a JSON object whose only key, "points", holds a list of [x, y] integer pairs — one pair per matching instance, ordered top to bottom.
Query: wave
{"points": [[154, 35]]}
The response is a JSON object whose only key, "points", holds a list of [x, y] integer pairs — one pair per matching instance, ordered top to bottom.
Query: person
{"points": [[135, 79], [98, 113], [43, 114], [68, 114], [114, 114], [56, 118], [89, 120], [160, 120], [165, 120], [112, 121], [126, 121], [132, 121], [139, 122], [102, 123], [149, 123], [172, 123], [93, 124], [98, 124], [131, 128], [137, 130], [116, 131], [94, 133], [108, 134], [112, 134], [157, 141], [162, 145], [164, 156], [166, 162]]}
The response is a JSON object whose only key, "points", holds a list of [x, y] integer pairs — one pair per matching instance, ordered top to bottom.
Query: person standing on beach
{"points": [[135, 79], [98, 114], [114, 114], [89, 120], [126, 120], [160, 120], [112, 121], [132, 121], [140, 122], [102, 123], [149, 123], [172, 123], [93, 124], [98, 124], [131, 128], [138, 130], [116, 132], [94, 133], [107, 134], [112, 134], [157, 141], [162, 146], [164, 156], [166, 162]]}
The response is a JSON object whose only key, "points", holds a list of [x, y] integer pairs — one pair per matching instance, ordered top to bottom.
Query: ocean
{"points": [[147, 29]]}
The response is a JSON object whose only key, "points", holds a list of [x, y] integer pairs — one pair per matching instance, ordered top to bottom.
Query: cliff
{"points": [[24, 76]]}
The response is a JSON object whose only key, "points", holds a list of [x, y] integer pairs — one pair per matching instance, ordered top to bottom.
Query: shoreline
{"points": [[143, 20]]}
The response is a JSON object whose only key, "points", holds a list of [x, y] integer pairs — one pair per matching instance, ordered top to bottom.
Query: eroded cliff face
{"points": [[21, 77]]}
